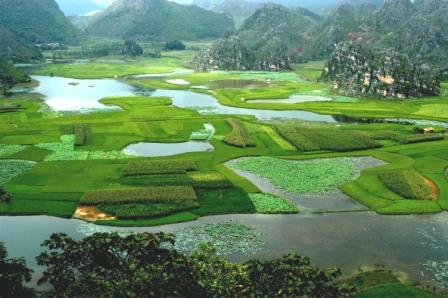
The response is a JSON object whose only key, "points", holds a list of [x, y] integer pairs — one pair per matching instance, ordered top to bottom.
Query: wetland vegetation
{"points": [[259, 163]]}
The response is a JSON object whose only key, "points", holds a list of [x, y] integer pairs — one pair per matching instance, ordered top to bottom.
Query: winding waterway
{"points": [[345, 239]]}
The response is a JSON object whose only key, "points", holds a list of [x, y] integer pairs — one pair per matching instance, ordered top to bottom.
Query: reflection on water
{"points": [[62, 94], [166, 149], [347, 240]]}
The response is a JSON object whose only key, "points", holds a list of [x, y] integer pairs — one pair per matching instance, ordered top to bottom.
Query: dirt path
{"points": [[433, 186]]}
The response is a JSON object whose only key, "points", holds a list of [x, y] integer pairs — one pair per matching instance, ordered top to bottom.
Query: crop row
{"points": [[81, 132], [239, 136], [423, 138], [331, 139], [137, 168], [209, 180], [408, 184], [159, 194], [135, 211]]}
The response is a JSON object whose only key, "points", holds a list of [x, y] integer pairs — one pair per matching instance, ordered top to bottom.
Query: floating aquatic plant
{"points": [[228, 238]]}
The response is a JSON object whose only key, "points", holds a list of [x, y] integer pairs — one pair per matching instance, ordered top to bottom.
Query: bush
{"points": [[174, 45], [131, 48], [81, 132], [239, 136], [325, 138], [137, 168], [408, 184], [161, 194], [4, 196], [135, 211]]}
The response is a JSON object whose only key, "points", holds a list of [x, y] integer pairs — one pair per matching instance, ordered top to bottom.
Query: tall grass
{"points": [[239, 136], [326, 138], [137, 168], [408, 184], [159, 194]]}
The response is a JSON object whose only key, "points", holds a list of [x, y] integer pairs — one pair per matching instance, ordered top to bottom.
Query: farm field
{"points": [[79, 153], [72, 164]]}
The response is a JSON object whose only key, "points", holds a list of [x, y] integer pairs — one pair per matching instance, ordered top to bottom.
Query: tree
{"points": [[174, 45], [131, 48], [10, 76], [4, 196], [107, 265], [13, 273], [294, 276]]}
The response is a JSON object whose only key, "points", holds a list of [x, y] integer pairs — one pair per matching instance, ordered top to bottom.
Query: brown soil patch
{"points": [[433, 186], [91, 213]]}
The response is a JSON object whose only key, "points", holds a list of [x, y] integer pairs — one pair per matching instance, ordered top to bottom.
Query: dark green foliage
{"points": [[159, 20], [36, 21], [174, 45], [12, 48], [131, 48], [10, 76], [81, 133], [239, 136], [326, 138], [423, 138], [139, 167], [408, 184], [168, 194], [5, 197], [136, 211], [138, 265], [144, 265], [13, 273], [294, 276]]}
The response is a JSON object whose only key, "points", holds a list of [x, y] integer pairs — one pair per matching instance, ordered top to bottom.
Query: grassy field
{"points": [[77, 154]]}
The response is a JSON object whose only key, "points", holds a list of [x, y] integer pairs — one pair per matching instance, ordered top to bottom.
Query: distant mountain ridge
{"points": [[149, 20], [36, 21], [14, 49]]}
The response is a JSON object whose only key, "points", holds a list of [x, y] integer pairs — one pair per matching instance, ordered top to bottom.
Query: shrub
{"points": [[174, 45], [81, 132], [239, 136], [326, 138], [136, 168], [408, 184], [161, 194], [4, 196], [269, 204], [134, 211]]}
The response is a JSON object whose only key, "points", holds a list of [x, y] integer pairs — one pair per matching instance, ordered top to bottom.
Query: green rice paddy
{"points": [[78, 153]]}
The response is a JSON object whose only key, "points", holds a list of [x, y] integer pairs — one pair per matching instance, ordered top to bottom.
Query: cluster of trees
{"points": [[174, 45], [131, 48], [10, 76], [146, 265]]}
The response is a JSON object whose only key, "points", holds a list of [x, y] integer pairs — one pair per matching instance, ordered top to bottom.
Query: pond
{"points": [[163, 75], [62, 94], [207, 104], [166, 149], [346, 240]]}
